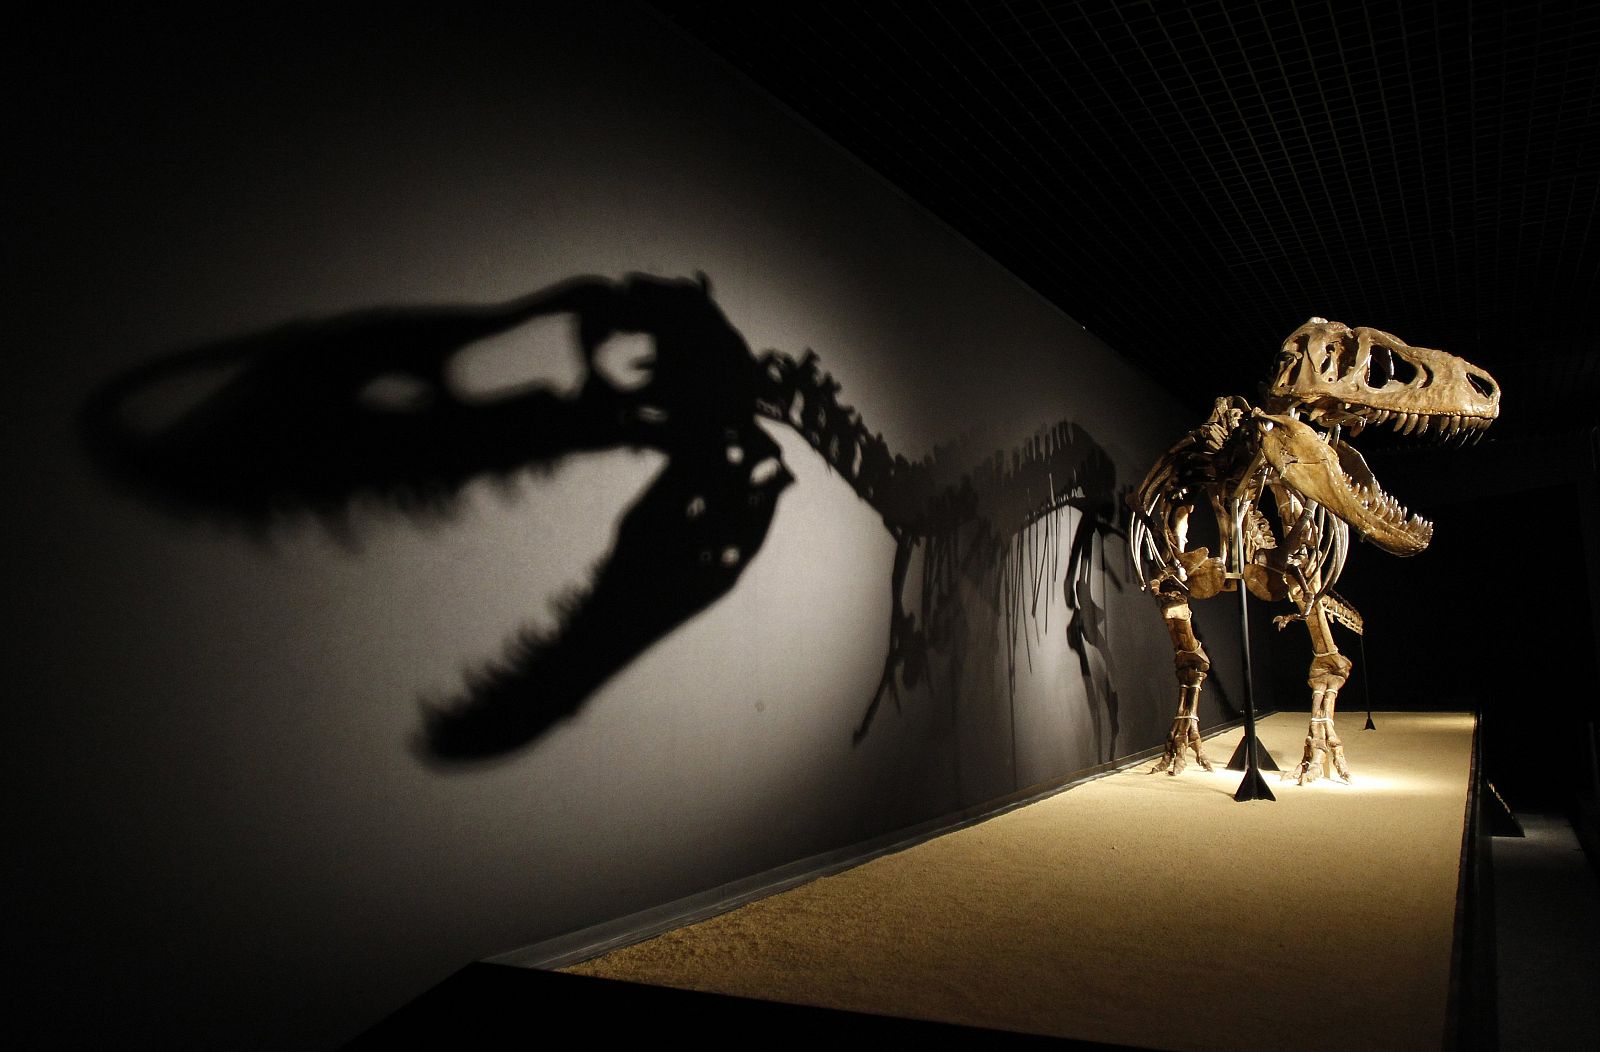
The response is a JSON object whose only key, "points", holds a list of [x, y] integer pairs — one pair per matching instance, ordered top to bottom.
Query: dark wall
{"points": [[1466, 627], [227, 833]]}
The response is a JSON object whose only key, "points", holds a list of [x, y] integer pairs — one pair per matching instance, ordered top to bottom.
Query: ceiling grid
{"points": [[1192, 180]]}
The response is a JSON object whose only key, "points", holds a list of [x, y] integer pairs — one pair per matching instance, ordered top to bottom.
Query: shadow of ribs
{"points": [[997, 524]]}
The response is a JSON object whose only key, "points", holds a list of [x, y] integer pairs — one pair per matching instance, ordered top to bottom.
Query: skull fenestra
{"points": [[1330, 382]]}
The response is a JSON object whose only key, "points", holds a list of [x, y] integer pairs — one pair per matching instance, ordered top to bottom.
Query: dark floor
{"points": [[1547, 938]]}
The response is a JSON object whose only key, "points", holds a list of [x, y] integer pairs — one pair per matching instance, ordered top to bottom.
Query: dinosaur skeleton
{"points": [[1329, 383]]}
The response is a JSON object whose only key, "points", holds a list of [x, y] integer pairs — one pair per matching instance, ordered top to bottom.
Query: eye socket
{"points": [[1342, 356], [626, 361]]}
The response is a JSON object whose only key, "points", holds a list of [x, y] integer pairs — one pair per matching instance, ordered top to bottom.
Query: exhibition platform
{"points": [[1134, 909]]}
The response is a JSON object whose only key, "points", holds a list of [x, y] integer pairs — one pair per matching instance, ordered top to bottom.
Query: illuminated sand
{"points": [[1139, 909]]}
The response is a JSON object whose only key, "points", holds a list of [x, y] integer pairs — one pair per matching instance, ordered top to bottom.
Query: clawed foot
{"points": [[1185, 735], [1321, 756]]}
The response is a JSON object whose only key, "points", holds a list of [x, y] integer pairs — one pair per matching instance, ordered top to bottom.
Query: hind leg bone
{"points": [[1191, 664], [1324, 752]]}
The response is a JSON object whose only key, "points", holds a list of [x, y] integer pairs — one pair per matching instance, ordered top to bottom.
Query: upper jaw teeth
{"points": [[1439, 425]]}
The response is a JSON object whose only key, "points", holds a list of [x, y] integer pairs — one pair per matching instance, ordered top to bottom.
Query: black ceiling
{"points": [[1191, 181]]}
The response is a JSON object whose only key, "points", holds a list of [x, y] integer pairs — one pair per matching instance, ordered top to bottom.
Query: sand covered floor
{"points": [[1139, 909]]}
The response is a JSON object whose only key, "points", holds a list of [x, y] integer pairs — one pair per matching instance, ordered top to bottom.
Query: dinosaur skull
{"points": [[1336, 375], [1331, 376]]}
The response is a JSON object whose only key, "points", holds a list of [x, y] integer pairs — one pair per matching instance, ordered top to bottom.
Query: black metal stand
{"points": [[1366, 683], [1254, 755], [1264, 758]]}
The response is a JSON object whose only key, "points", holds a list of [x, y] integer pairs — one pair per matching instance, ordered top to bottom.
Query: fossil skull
{"points": [[1337, 375], [1330, 376]]}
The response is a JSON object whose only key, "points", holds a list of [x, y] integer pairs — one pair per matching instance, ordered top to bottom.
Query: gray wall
{"points": [[222, 829]]}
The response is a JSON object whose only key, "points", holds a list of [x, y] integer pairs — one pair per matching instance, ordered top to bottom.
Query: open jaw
{"points": [[1332, 381], [1334, 475]]}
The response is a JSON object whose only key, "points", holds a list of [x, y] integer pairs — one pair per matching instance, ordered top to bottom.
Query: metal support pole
{"points": [[1366, 683], [1253, 787]]}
